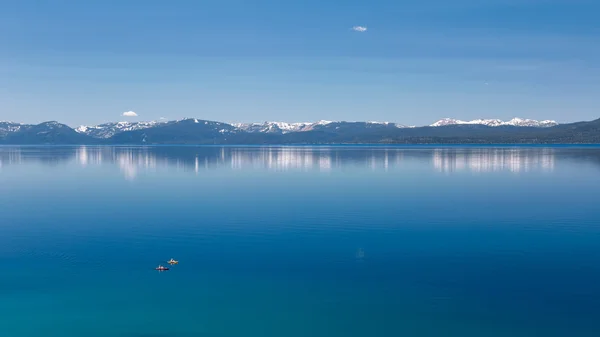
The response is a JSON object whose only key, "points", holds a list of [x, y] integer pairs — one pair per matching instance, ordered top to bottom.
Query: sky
{"points": [[411, 62]]}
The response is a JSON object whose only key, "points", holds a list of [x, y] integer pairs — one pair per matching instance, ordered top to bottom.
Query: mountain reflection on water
{"points": [[132, 160]]}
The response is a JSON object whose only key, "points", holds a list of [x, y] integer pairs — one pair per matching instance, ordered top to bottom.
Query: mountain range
{"points": [[197, 131]]}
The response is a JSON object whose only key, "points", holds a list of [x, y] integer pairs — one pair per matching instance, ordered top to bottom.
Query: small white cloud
{"points": [[360, 29], [129, 114], [162, 118]]}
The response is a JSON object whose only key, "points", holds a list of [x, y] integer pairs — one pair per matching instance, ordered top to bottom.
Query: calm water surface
{"points": [[326, 241]]}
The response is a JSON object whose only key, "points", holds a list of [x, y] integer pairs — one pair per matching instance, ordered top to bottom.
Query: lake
{"points": [[300, 241]]}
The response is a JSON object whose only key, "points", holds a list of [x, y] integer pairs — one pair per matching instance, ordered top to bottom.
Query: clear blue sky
{"points": [[86, 62]]}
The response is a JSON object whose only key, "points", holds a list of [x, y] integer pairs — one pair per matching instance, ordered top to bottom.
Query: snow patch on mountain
{"points": [[496, 122], [388, 123], [9, 127], [273, 127], [286, 127], [108, 130]]}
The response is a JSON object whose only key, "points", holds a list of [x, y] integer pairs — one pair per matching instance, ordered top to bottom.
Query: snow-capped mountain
{"points": [[497, 122], [8, 127], [271, 127], [279, 127], [285, 127], [11, 128], [108, 130], [199, 132], [44, 133]]}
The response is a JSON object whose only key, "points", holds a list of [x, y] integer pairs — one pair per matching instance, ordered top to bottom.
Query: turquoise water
{"points": [[325, 241]]}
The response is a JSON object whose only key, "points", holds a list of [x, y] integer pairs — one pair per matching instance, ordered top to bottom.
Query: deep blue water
{"points": [[326, 241]]}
